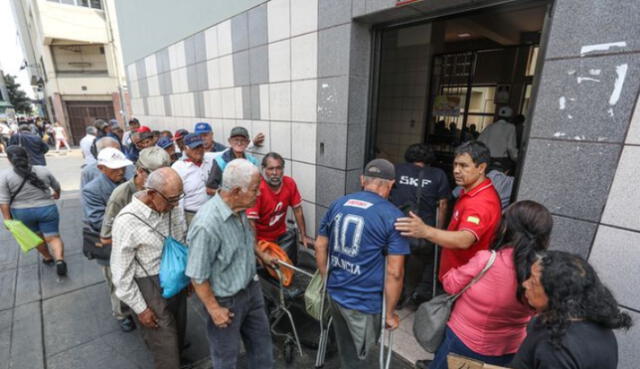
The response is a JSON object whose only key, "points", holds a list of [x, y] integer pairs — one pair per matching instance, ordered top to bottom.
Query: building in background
{"points": [[72, 53], [333, 83]]}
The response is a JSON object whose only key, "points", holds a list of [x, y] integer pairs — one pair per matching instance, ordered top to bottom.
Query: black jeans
{"points": [[419, 269], [249, 324]]}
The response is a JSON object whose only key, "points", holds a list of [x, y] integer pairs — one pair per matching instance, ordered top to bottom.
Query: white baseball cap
{"points": [[113, 158]]}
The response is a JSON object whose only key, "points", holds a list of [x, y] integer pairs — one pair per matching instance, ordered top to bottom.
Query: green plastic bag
{"points": [[23, 235], [313, 297]]}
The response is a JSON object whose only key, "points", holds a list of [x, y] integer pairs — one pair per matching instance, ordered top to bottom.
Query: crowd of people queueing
{"points": [[529, 307]]}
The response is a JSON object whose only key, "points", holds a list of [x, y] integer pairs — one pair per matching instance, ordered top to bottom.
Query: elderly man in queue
{"points": [[134, 124], [206, 133], [143, 139], [179, 139], [166, 143], [238, 143], [150, 159], [193, 170], [91, 171], [277, 193], [476, 214], [139, 231], [355, 234], [222, 267]]}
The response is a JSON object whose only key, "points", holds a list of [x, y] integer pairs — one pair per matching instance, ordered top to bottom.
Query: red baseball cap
{"points": [[144, 129]]}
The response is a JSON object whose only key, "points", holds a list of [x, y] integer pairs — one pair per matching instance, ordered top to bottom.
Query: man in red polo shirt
{"points": [[277, 193], [476, 214]]}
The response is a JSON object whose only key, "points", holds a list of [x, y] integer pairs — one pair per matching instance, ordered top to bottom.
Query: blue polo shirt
{"points": [[360, 231]]}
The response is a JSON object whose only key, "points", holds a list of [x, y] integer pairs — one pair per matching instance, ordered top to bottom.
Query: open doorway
{"points": [[442, 82]]}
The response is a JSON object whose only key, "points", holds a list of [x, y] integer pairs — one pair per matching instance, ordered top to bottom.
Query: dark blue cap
{"points": [[202, 127], [193, 140], [164, 142]]}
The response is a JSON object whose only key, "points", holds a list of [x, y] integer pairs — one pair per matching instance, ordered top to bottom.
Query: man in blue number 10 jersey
{"points": [[356, 233]]}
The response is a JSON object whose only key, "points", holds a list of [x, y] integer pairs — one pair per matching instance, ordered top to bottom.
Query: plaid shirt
{"points": [[132, 239]]}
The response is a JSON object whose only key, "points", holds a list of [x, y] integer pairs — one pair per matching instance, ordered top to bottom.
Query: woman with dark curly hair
{"points": [[25, 195], [577, 316], [489, 320]]}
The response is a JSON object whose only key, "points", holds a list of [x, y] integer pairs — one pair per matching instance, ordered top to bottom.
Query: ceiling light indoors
{"points": [[464, 35]]}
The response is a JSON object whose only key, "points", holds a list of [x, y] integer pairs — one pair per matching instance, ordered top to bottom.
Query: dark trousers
{"points": [[419, 268], [249, 324], [356, 333], [165, 341]]}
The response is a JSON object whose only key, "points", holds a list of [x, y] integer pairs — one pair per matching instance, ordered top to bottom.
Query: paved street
{"points": [[66, 323]]}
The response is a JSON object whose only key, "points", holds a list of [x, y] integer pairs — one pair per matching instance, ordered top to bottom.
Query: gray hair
{"points": [[91, 130], [105, 142], [238, 173], [376, 181]]}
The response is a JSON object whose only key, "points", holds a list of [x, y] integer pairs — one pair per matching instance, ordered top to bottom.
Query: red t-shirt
{"points": [[270, 210], [479, 212]]}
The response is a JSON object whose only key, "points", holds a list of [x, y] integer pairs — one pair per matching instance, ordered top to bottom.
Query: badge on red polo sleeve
{"points": [[473, 219]]}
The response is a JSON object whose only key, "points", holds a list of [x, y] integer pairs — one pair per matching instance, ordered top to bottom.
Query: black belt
{"points": [[190, 211]]}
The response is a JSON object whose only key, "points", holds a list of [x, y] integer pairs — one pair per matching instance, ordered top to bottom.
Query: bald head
{"points": [[165, 180]]}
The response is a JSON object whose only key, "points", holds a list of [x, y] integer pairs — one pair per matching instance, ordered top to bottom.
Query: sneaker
{"points": [[48, 262], [61, 268], [127, 324], [422, 364]]}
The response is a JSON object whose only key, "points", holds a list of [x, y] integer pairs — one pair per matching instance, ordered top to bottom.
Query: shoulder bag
{"points": [[173, 263], [432, 316]]}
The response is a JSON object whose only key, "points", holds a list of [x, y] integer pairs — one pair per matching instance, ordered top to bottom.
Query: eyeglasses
{"points": [[173, 200]]}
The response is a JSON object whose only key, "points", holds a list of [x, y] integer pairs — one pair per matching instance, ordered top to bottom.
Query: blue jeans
{"points": [[41, 219], [249, 323], [452, 344]]}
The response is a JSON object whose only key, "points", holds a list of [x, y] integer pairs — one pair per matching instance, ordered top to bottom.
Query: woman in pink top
{"points": [[488, 322]]}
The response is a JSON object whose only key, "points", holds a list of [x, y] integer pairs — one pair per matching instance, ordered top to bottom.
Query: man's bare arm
{"points": [[302, 226], [321, 247], [393, 288], [221, 316]]}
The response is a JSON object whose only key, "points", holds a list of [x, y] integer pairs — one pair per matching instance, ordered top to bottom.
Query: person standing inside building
{"points": [[60, 136], [501, 139], [32, 143], [238, 143], [85, 146], [193, 171], [414, 177], [277, 193], [25, 195], [476, 215], [139, 233], [355, 235], [222, 268]]}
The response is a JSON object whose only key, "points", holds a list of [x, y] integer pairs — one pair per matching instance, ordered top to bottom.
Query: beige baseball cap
{"points": [[153, 158]]}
